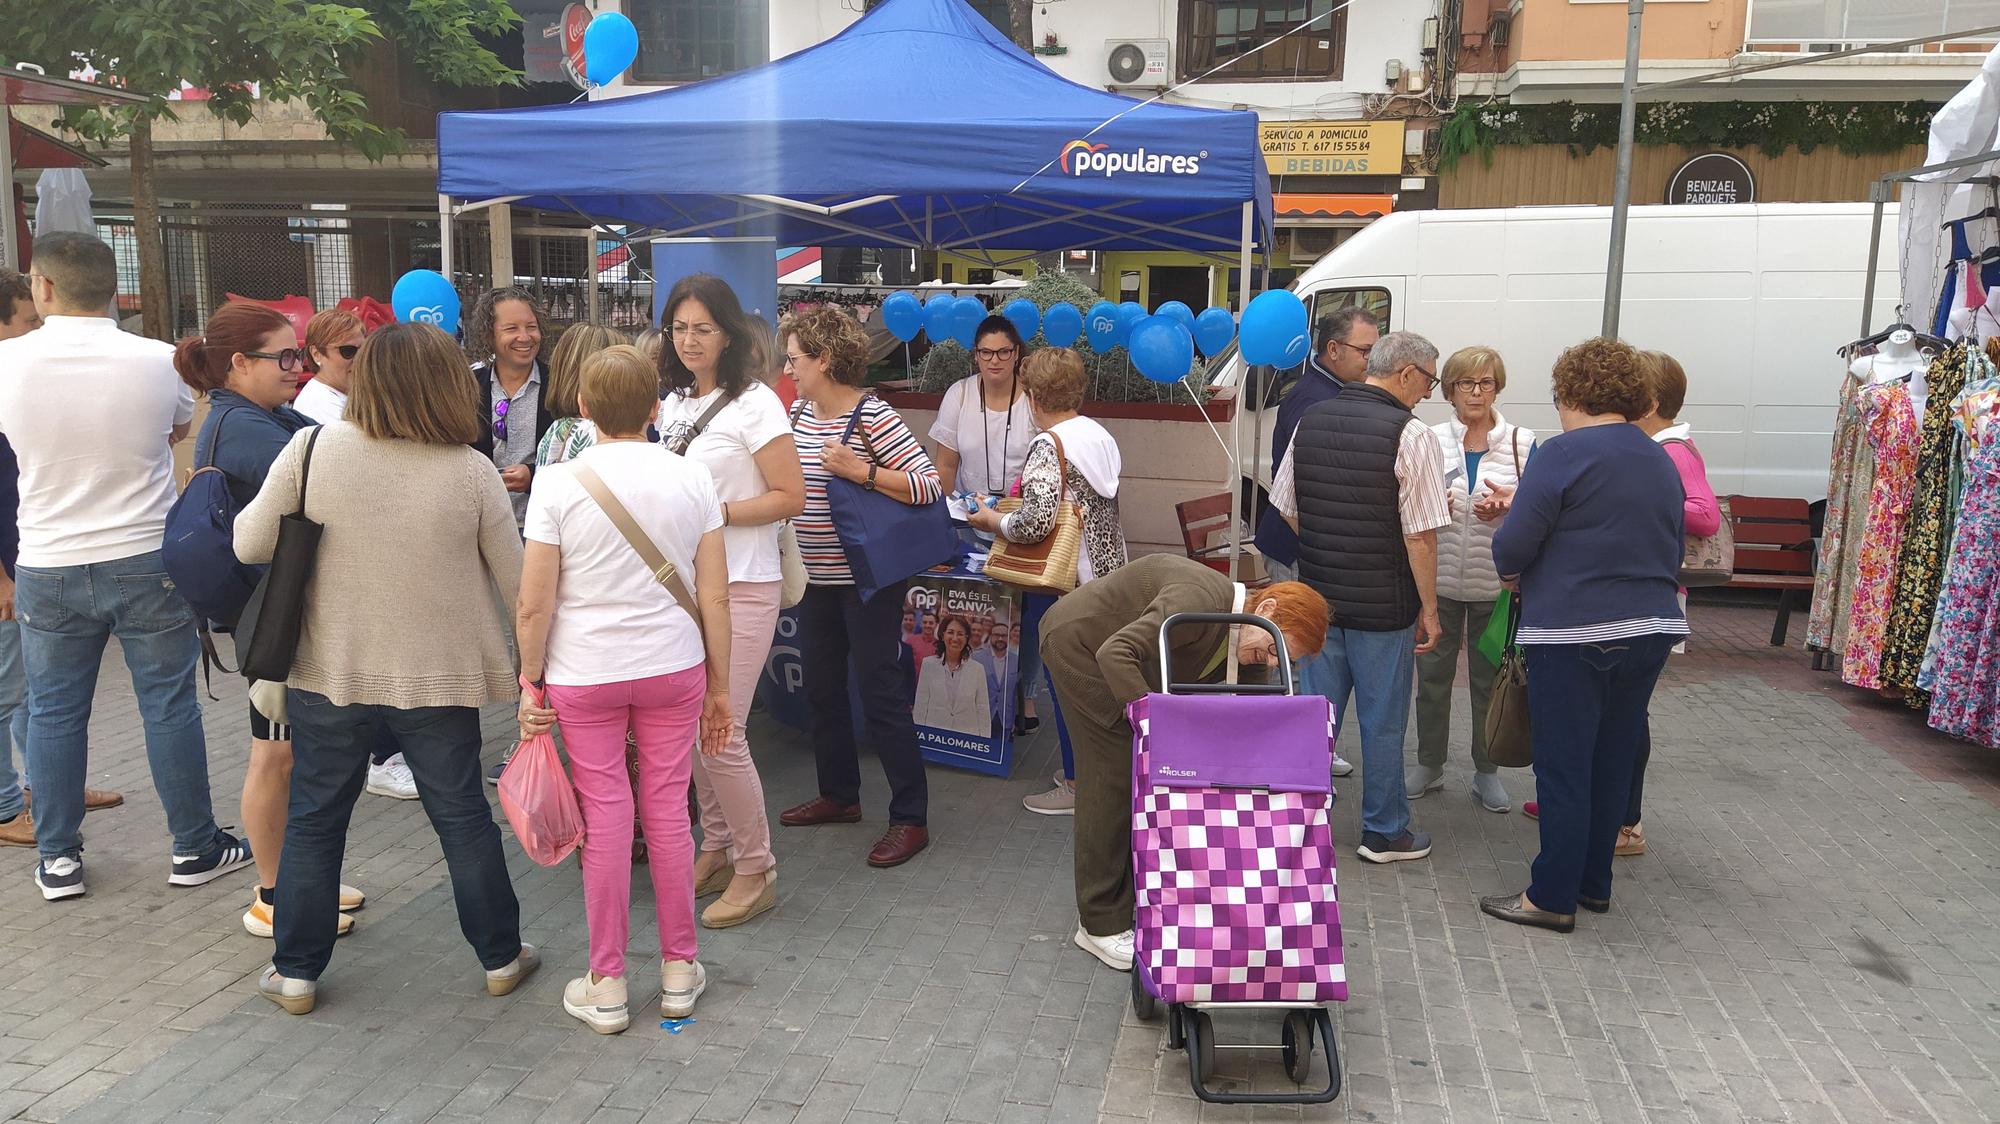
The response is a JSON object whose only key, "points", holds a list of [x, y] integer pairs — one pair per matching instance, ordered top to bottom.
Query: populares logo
{"points": [[1082, 158], [427, 314]]}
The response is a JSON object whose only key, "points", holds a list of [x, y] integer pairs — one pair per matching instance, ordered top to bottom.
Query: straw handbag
{"points": [[1048, 566]]}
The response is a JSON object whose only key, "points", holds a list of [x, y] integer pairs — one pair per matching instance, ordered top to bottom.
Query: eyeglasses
{"points": [[702, 332], [1364, 350], [348, 351], [994, 354], [290, 359], [794, 360], [1429, 375], [1484, 386], [500, 420]]}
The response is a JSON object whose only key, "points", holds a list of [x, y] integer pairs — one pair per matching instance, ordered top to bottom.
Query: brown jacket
{"points": [[1102, 642]]}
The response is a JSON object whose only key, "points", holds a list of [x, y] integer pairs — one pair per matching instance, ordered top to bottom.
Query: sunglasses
{"points": [[348, 351], [290, 359], [500, 420]]}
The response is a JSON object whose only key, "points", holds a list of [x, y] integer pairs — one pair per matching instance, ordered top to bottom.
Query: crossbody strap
{"points": [[701, 423], [305, 468], [664, 570]]}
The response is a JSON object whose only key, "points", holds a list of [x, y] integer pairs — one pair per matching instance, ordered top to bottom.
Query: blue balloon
{"points": [[610, 43], [423, 296], [1180, 312], [966, 313], [1129, 315], [903, 316], [937, 317], [1027, 319], [1062, 325], [1101, 325], [1213, 330], [1275, 330], [1161, 349]]}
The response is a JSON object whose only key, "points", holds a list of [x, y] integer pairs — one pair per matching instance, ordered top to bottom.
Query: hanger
{"points": [[1991, 212], [1925, 341]]}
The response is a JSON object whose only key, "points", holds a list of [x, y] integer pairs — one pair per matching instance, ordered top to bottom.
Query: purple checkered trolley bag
{"points": [[1233, 864]]}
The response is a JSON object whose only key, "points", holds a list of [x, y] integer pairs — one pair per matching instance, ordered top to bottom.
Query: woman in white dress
{"points": [[951, 692]]}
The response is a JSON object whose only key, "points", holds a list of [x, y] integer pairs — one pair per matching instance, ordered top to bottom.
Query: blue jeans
{"points": [[67, 614], [1379, 669], [1588, 704], [13, 721], [330, 751]]}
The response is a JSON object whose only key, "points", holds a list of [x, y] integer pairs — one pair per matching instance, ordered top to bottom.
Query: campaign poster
{"points": [[962, 651]]}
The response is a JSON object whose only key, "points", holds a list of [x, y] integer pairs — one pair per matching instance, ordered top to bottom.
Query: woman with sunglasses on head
{"points": [[503, 335], [332, 339], [248, 364], [719, 412]]}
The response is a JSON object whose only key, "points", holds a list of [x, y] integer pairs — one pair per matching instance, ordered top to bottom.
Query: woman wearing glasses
{"points": [[503, 335], [332, 339], [249, 365], [718, 412], [983, 429], [1484, 456]]}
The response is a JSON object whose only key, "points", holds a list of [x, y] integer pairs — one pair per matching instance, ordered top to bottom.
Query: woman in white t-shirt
{"points": [[718, 414], [618, 651]]}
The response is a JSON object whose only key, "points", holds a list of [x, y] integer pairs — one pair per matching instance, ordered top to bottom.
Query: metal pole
{"points": [[1621, 193], [444, 237], [1874, 249], [10, 250], [1236, 416]]}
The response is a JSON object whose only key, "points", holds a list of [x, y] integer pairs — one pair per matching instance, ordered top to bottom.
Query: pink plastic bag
{"points": [[539, 800]]}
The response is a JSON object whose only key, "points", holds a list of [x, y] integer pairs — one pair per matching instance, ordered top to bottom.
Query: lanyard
{"points": [[1006, 434]]}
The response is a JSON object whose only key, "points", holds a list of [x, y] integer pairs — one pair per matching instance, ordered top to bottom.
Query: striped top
{"points": [[895, 448]]}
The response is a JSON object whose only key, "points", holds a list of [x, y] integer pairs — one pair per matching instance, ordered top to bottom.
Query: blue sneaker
{"points": [[229, 854], [59, 878]]}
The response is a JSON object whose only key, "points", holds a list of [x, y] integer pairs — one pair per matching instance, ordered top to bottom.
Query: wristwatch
{"points": [[870, 482]]}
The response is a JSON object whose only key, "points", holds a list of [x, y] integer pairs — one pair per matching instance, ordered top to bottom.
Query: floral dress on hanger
{"points": [[1891, 420], [1849, 482], [1927, 530], [1964, 701]]}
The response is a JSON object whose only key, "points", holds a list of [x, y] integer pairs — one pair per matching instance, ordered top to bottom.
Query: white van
{"points": [[1753, 300]]}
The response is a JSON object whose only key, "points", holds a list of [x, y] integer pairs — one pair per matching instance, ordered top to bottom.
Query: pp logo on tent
{"points": [[1080, 157]]}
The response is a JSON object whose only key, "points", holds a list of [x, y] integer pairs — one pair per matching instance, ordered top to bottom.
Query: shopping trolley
{"points": [[1233, 866]]}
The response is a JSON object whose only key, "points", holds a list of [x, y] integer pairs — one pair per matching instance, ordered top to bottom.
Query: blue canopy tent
{"points": [[920, 126]]}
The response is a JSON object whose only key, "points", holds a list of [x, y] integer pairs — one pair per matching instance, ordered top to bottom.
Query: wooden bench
{"points": [[1205, 529], [1774, 550]]}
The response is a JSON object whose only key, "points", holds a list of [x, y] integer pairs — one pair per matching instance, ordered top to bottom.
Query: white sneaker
{"points": [[1341, 765], [392, 779], [1420, 781], [1491, 794], [1058, 801], [1115, 950], [503, 980], [681, 983], [295, 996], [600, 1005]]}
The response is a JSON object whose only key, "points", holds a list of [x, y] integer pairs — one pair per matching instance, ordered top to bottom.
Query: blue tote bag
{"points": [[886, 540]]}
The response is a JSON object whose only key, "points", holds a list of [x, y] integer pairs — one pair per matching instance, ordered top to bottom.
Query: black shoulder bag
{"points": [[276, 612]]}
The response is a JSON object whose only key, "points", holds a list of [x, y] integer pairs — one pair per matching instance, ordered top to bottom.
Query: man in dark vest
{"points": [[1345, 338], [1363, 484]]}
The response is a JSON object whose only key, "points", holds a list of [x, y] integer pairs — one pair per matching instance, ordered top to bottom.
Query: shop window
{"points": [[1830, 24], [1227, 33], [688, 40]]}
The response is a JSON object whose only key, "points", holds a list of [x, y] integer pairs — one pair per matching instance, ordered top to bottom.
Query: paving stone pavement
{"points": [[1809, 938]]}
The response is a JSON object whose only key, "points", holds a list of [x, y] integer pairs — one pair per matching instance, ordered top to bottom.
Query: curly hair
{"points": [[834, 336], [479, 343], [1604, 376], [1053, 377]]}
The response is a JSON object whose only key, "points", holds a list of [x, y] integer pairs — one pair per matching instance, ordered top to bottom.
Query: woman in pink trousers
{"points": [[621, 646]]}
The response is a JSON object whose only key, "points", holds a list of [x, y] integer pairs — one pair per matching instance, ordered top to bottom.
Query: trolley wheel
{"points": [[1143, 1003], [1176, 1029], [1201, 1044], [1298, 1046]]}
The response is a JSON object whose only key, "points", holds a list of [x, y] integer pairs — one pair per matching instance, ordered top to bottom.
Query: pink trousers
{"points": [[664, 711], [726, 786]]}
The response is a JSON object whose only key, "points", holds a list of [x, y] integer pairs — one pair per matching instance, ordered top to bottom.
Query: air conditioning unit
{"points": [[1138, 62]]}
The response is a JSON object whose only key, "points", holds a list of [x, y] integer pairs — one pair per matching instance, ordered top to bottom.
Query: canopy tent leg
{"points": [[444, 238], [10, 248], [1236, 416]]}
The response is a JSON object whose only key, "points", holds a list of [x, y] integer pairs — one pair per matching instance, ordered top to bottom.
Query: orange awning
{"points": [[1294, 205]]}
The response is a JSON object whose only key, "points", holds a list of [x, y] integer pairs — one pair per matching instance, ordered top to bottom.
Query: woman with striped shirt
{"points": [[827, 353]]}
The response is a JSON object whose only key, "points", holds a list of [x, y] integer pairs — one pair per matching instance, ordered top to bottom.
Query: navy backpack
{"points": [[200, 550]]}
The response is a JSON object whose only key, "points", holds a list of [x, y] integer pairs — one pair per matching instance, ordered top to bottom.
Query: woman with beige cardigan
{"points": [[401, 628]]}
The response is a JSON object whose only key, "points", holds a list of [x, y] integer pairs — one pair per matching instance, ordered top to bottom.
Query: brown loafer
{"points": [[94, 799], [819, 810], [19, 831], [899, 845], [1508, 907]]}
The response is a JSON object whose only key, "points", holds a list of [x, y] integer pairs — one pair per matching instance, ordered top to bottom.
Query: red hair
{"points": [[236, 327]]}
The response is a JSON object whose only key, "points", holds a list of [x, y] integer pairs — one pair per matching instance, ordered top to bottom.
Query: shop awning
{"points": [[1295, 205]]}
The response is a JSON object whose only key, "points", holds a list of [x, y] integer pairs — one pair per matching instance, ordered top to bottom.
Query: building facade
{"points": [[1540, 80]]}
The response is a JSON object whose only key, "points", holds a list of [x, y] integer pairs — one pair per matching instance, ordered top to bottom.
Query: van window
{"points": [[1326, 302]]}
